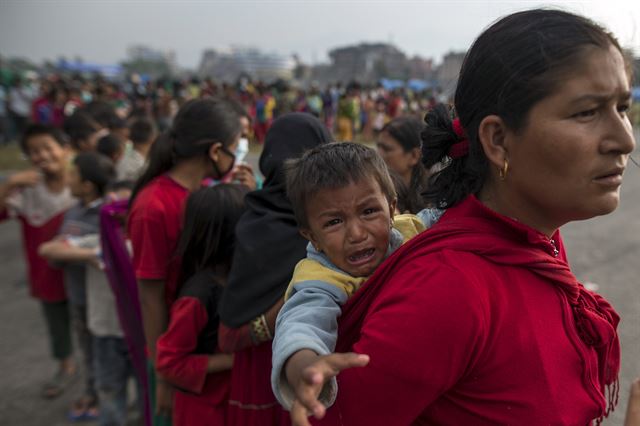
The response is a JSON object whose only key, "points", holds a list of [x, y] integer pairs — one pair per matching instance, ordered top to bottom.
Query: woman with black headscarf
{"points": [[268, 246]]}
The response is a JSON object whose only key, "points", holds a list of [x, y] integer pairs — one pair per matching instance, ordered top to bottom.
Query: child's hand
{"points": [[243, 174], [25, 178], [311, 379]]}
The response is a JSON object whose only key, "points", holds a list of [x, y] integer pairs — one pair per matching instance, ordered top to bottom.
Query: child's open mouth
{"points": [[362, 256]]}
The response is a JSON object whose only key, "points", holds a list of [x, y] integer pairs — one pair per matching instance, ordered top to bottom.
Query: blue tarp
{"points": [[87, 67], [389, 84], [414, 84], [418, 85]]}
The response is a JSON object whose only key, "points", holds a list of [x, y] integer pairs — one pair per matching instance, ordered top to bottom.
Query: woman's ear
{"points": [[492, 135], [214, 151], [415, 155]]}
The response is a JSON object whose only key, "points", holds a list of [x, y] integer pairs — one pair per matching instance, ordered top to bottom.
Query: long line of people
{"points": [[428, 275]]}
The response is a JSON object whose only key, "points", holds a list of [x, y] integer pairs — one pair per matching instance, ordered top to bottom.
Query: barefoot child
{"points": [[38, 198], [344, 201], [187, 353]]}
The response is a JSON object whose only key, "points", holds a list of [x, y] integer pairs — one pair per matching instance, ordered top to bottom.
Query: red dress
{"points": [[40, 212], [477, 321], [183, 351], [251, 402]]}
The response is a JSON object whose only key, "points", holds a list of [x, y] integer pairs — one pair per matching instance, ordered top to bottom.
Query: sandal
{"points": [[58, 383], [83, 409]]}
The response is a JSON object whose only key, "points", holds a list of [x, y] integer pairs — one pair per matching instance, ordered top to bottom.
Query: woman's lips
{"points": [[612, 178]]}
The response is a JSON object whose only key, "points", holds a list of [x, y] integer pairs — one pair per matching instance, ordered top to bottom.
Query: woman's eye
{"points": [[624, 108], [585, 114], [370, 210]]}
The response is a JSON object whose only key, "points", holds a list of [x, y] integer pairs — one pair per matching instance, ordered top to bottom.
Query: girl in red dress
{"points": [[187, 353]]}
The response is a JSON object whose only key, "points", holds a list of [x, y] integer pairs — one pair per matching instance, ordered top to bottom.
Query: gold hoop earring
{"points": [[503, 171]]}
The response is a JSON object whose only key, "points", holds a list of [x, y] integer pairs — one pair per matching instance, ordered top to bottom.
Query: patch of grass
{"points": [[11, 158]]}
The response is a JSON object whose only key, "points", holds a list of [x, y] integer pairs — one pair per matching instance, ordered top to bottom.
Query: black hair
{"points": [[515, 63], [104, 113], [199, 124], [80, 126], [38, 130], [141, 130], [407, 132], [110, 146], [331, 166], [95, 168], [118, 185], [409, 200], [208, 234]]}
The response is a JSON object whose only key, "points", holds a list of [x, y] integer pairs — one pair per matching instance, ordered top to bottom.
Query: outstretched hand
{"points": [[312, 378]]}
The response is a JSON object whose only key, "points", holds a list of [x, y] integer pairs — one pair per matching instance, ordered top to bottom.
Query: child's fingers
{"points": [[341, 361], [307, 395], [299, 415]]}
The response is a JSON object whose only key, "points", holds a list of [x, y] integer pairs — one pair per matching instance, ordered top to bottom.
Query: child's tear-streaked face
{"points": [[351, 225]]}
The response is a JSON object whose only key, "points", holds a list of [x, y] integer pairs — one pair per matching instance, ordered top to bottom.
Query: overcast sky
{"points": [[100, 31]]}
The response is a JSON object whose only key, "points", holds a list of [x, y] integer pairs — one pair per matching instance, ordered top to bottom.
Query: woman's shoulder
{"points": [[432, 278]]}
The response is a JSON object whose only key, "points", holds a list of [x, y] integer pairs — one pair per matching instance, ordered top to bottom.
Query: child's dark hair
{"points": [[514, 64], [104, 114], [199, 124], [80, 126], [38, 130], [141, 130], [407, 132], [110, 146], [331, 166], [95, 168], [208, 234]]}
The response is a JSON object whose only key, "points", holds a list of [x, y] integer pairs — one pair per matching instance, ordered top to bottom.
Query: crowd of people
{"points": [[352, 109], [421, 282]]}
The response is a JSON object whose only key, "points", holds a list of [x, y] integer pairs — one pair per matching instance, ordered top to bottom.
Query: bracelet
{"points": [[260, 330]]}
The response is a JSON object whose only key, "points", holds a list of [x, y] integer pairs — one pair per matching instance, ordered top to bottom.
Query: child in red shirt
{"points": [[200, 144], [38, 198], [188, 353]]}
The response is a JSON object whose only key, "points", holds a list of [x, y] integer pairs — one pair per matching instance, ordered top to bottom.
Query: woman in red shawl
{"points": [[479, 320]]}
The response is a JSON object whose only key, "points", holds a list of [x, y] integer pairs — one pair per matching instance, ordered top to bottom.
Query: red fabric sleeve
{"points": [[151, 248], [421, 333], [234, 339], [175, 359]]}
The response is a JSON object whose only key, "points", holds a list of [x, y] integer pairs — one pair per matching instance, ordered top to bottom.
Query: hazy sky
{"points": [[100, 31]]}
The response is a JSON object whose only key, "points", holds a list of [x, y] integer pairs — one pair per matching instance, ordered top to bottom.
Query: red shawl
{"points": [[503, 241]]}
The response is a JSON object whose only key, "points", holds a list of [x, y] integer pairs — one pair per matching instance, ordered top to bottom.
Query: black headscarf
{"points": [[268, 244]]}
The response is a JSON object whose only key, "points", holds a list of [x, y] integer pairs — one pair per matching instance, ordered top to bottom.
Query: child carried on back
{"points": [[344, 202]]}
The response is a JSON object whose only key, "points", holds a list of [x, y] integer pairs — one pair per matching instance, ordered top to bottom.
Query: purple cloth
{"points": [[123, 283]]}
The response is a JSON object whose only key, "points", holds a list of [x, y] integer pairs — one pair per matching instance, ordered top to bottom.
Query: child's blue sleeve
{"points": [[308, 320]]}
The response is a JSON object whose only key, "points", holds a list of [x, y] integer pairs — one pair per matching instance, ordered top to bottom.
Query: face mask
{"points": [[242, 150], [222, 176]]}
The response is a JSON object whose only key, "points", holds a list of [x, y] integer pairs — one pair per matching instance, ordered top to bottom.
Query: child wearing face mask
{"points": [[200, 144], [344, 201]]}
